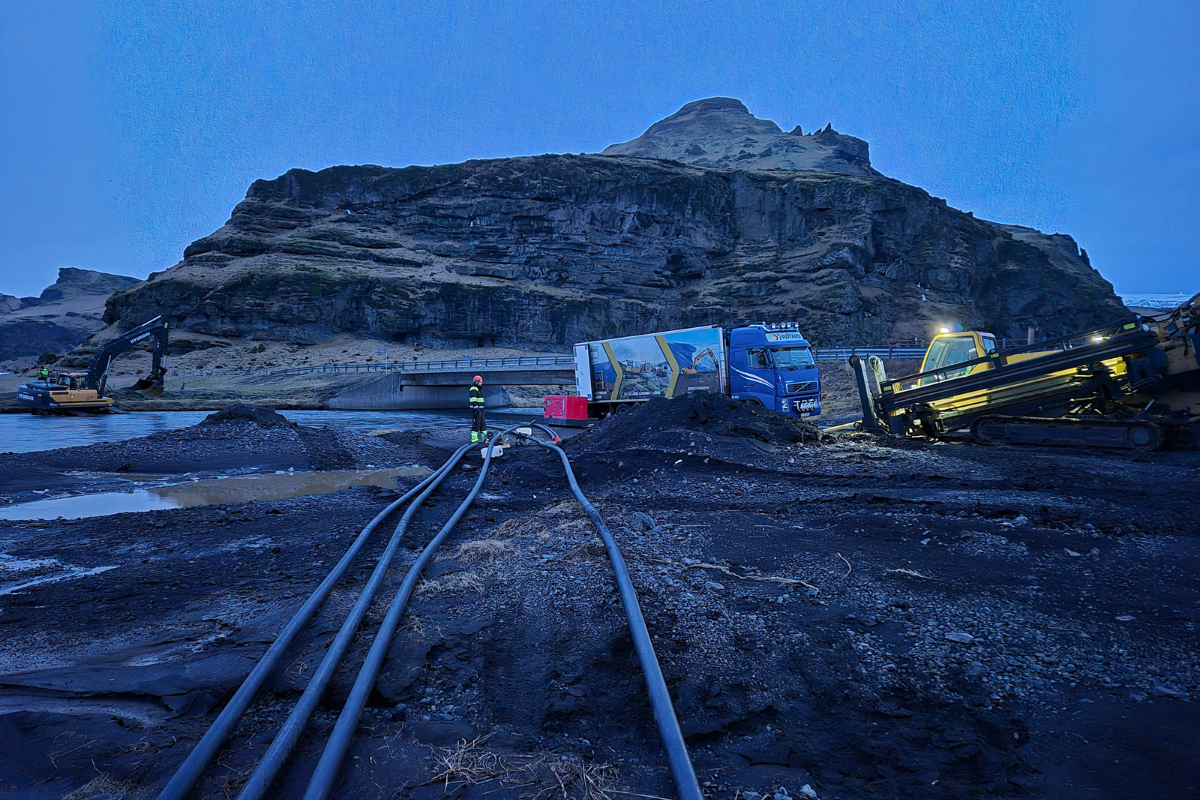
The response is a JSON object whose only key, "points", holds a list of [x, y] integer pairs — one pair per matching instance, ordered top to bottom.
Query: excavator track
{"points": [[1066, 432]]}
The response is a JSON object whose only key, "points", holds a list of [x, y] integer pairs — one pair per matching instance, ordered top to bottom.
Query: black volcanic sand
{"points": [[864, 617]]}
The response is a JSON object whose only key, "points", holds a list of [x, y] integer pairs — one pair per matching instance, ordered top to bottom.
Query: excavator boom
{"points": [[97, 374]]}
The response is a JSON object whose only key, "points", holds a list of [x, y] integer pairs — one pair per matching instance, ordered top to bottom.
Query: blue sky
{"points": [[131, 129]]}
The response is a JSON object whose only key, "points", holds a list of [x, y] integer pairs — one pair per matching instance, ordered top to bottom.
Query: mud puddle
{"points": [[213, 491]]}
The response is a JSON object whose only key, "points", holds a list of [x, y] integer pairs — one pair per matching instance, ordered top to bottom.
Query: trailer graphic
{"points": [[768, 364], [662, 365]]}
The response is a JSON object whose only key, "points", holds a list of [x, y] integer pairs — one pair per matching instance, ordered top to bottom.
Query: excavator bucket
{"points": [[149, 387]]}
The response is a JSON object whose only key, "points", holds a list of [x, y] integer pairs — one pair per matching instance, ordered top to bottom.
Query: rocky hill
{"points": [[721, 133], [541, 252], [66, 313]]}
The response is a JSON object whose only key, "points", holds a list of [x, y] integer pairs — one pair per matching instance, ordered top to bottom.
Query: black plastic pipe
{"points": [[656, 686], [206, 749], [277, 754], [321, 783]]}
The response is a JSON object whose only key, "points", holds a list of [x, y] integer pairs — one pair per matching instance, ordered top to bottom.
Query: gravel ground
{"points": [[859, 616]]}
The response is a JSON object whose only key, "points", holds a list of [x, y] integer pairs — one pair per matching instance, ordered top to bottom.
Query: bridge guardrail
{"points": [[843, 353], [532, 363], [449, 365], [208, 373]]}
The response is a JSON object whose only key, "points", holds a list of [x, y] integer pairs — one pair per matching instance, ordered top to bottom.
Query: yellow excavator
{"points": [[694, 368], [1134, 385], [79, 392]]}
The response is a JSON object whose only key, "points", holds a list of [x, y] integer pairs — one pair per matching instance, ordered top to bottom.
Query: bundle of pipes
{"points": [[329, 765]]}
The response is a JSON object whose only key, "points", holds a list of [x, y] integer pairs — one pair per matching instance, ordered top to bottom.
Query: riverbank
{"points": [[207, 373], [201, 392], [311, 392], [27, 433], [861, 616]]}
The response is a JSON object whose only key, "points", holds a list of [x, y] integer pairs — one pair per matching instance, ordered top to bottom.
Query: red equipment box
{"points": [[564, 406]]}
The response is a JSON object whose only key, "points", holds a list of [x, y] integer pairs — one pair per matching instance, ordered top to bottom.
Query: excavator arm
{"points": [[97, 374]]}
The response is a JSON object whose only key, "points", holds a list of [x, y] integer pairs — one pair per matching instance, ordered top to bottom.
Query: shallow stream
{"points": [[25, 433], [203, 492]]}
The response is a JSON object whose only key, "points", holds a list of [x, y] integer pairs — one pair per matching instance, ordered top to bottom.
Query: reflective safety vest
{"points": [[475, 397]]}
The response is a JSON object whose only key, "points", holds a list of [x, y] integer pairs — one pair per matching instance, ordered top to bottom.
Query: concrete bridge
{"points": [[443, 384], [446, 387]]}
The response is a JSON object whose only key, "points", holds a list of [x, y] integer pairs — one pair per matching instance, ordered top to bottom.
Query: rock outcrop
{"points": [[720, 133], [540, 252], [66, 313]]}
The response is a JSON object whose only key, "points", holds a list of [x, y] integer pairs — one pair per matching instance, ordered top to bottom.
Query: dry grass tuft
{"points": [[560, 508], [510, 527], [482, 551], [589, 551], [454, 582], [137, 747], [469, 764], [567, 777], [584, 780], [232, 782], [100, 786]]}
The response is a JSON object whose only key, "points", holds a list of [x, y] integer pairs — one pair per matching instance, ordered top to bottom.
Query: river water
{"points": [[24, 433], [156, 494]]}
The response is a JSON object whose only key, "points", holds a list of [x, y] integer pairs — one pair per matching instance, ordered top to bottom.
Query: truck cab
{"points": [[773, 364]]}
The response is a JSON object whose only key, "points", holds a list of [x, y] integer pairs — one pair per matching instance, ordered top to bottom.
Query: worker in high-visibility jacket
{"points": [[475, 399]]}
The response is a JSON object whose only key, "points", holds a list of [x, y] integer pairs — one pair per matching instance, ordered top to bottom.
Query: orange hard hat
{"points": [[477, 379]]}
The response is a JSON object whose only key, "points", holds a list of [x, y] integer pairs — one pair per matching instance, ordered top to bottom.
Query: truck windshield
{"points": [[793, 358]]}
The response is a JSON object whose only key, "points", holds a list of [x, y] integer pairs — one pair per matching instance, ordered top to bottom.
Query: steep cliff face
{"points": [[546, 251], [66, 313]]}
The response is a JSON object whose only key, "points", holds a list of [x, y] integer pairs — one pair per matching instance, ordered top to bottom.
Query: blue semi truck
{"points": [[770, 364]]}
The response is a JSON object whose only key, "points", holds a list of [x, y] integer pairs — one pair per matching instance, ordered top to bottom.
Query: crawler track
{"points": [[329, 765]]}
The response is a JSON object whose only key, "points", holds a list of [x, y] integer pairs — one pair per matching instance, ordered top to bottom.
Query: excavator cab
{"points": [[71, 380]]}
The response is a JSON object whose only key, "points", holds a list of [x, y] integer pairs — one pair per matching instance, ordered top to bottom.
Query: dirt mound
{"points": [[244, 412], [711, 414]]}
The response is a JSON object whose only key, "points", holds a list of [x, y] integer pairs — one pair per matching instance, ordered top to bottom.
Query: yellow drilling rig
{"points": [[1133, 385]]}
